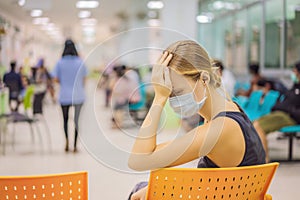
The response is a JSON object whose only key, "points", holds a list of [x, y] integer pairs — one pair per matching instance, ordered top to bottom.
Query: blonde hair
{"points": [[190, 59]]}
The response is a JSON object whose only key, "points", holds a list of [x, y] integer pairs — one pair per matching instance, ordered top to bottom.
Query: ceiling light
{"points": [[21, 2], [87, 4], [155, 4], [218, 5], [232, 6], [36, 13], [84, 14], [205, 18], [40, 20], [88, 22], [153, 22], [50, 27]]}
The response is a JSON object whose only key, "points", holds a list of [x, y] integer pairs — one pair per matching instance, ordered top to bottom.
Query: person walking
{"points": [[70, 72]]}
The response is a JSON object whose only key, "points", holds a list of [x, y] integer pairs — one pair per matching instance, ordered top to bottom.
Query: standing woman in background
{"points": [[70, 72]]}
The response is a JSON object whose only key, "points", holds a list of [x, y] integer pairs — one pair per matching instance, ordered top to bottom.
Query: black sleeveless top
{"points": [[254, 152]]}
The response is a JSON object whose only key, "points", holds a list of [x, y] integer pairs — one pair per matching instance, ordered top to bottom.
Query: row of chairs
{"points": [[255, 108], [32, 114], [235, 183]]}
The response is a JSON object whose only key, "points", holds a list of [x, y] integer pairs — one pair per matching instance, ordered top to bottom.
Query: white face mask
{"points": [[186, 105]]}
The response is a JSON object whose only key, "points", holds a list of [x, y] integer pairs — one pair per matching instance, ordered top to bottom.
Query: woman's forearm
{"points": [[146, 139], [145, 142]]}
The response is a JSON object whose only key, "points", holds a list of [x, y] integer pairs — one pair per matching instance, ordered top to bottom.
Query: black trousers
{"points": [[65, 111]]}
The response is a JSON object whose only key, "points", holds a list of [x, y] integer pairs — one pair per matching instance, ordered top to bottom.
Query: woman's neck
{"points": [[214, 104]]}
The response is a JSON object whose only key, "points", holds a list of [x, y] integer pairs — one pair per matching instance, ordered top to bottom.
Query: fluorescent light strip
{"points": [[21, 2], [87, 4], [155, 4], [36, 13], [84, 14], [41, 21], [88, 22], [154, 22]]}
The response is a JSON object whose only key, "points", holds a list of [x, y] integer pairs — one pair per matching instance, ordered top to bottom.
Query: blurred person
{"points": [[184, 68], [70, 72], [255, 77], [44, 79], [228, 79], [13, 81], [135, 81], [104, 84], [124, 91], [284, 113]]}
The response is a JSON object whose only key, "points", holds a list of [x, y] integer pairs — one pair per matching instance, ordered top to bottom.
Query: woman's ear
{"points": [[204, 77]]}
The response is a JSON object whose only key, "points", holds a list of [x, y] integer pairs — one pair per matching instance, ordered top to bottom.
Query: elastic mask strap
{"points": [[203, 92]]}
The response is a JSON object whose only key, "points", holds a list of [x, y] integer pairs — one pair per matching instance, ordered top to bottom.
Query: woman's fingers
{"points": [[163, 57], [167, 60], [167, 78]]}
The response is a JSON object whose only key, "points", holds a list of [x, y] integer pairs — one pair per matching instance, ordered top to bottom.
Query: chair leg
{"points": [[32, 133], [48, 133], [39, 135], [13, 136], [291, 138], [4, 140]]}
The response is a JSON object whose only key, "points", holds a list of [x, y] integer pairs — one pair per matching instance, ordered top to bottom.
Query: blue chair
{"points": [[241, 85], [270, 100], [241, 101], [142, 103], [253, 105], [136, 108], [291, 133]]}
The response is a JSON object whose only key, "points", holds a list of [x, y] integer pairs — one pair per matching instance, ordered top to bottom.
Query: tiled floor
{"points": [[109, 177]]}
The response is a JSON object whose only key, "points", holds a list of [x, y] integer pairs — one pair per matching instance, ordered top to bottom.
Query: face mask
{"points": [[186, 105]]}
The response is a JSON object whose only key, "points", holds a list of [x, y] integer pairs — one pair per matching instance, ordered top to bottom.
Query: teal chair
{"points": [[241, 101], [269, 101], [253, 105], [266, 106], [137, 110], [291, 133]]}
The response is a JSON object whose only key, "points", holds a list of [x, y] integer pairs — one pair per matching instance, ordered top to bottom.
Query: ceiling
{"points": [[112, 15]]}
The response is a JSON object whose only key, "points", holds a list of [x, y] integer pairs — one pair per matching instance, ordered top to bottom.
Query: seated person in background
{"points": [[183, 69], [255, 77], [228, 79], [13, 81], [265, 86], [125, 91], [120, 94], [284, 113]]}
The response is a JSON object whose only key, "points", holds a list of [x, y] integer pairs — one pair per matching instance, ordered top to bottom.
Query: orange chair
{"points": [[236, 183], [68, 186]]}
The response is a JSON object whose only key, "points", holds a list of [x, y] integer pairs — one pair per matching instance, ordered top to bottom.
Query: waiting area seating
{"points": [[255, 108], [31, 114], [291, 133], [235, 183], [56, 186]]}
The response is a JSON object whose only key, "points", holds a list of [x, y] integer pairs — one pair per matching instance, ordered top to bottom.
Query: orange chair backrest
{"points": [[236, 183], [68, 186]]}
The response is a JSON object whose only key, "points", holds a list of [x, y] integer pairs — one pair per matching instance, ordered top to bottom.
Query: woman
{"points": [[70, 72], [185, 76]]}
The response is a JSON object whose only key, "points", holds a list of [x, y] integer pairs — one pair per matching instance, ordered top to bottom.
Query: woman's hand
{"points": [[161, 78], [139, 195]]}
